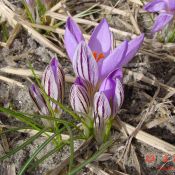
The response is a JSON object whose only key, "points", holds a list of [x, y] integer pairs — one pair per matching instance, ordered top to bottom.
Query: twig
{"points": [[14, 19], [28, 73], [11, 81], [149, 139], [80, 150], [93, 168]]}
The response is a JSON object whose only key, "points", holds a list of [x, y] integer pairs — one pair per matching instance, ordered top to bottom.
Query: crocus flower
{"points": [[166, 9], [100, 46], [53, 83], [98, 91], [89, 97]]}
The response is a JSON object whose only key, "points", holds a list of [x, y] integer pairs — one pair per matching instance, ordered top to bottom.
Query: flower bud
{"points": [[53, 82]]}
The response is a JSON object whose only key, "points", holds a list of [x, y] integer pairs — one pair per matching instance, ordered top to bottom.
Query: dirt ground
{"points": [[142, 100]]}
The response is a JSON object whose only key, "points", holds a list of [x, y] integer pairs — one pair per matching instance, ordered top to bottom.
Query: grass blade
{"points": [[37, 151], [12, 152], [47, 156], [94, 157]]}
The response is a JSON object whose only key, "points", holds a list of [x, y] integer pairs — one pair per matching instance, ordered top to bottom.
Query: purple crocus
{"points": [[166, 9], [105, 60], [53, 83], [98, 92]]}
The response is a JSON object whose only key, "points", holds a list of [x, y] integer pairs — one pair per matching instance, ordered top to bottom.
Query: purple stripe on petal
{"points": [[161, 21], [72, 37], [100, 40], [84, 64], [53, 81], [38, 99], [79, 99], [102, 107]]}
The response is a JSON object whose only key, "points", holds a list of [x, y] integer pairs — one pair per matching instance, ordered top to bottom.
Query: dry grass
{"points": [[129, 18]]}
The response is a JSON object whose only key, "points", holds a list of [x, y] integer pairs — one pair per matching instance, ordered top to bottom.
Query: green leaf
{"points": [[41, 7], [29, 14], [5, 33], [21, 117], [13, 129], [14, 151], [53, 151], [36, 152], [91, 159]]}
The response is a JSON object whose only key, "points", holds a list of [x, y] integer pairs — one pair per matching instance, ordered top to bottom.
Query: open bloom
{"points": [[166, 9], [105, 60], [53, 83], [98, 91], [90, 97]]}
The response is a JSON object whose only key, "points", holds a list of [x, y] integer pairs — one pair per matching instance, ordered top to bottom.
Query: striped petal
{"points": [[84, 64], [53, 81], [38, 99], [79, 99], [102, 109], [102, 112]]}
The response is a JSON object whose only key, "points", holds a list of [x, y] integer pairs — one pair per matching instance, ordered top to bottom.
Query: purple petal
{"points": [[171, 5], [155, 6], [161, 21], [72, 37], [100, 40], [133, 47], [113, 61], [84, 64], [117, 73], [53, 81], [86, 85], [108, 85], [108, 88], [118, 97], [38, 99], [79, 99]]}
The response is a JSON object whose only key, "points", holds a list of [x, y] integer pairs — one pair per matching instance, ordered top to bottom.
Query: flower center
{"points": [[98, 56]]}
